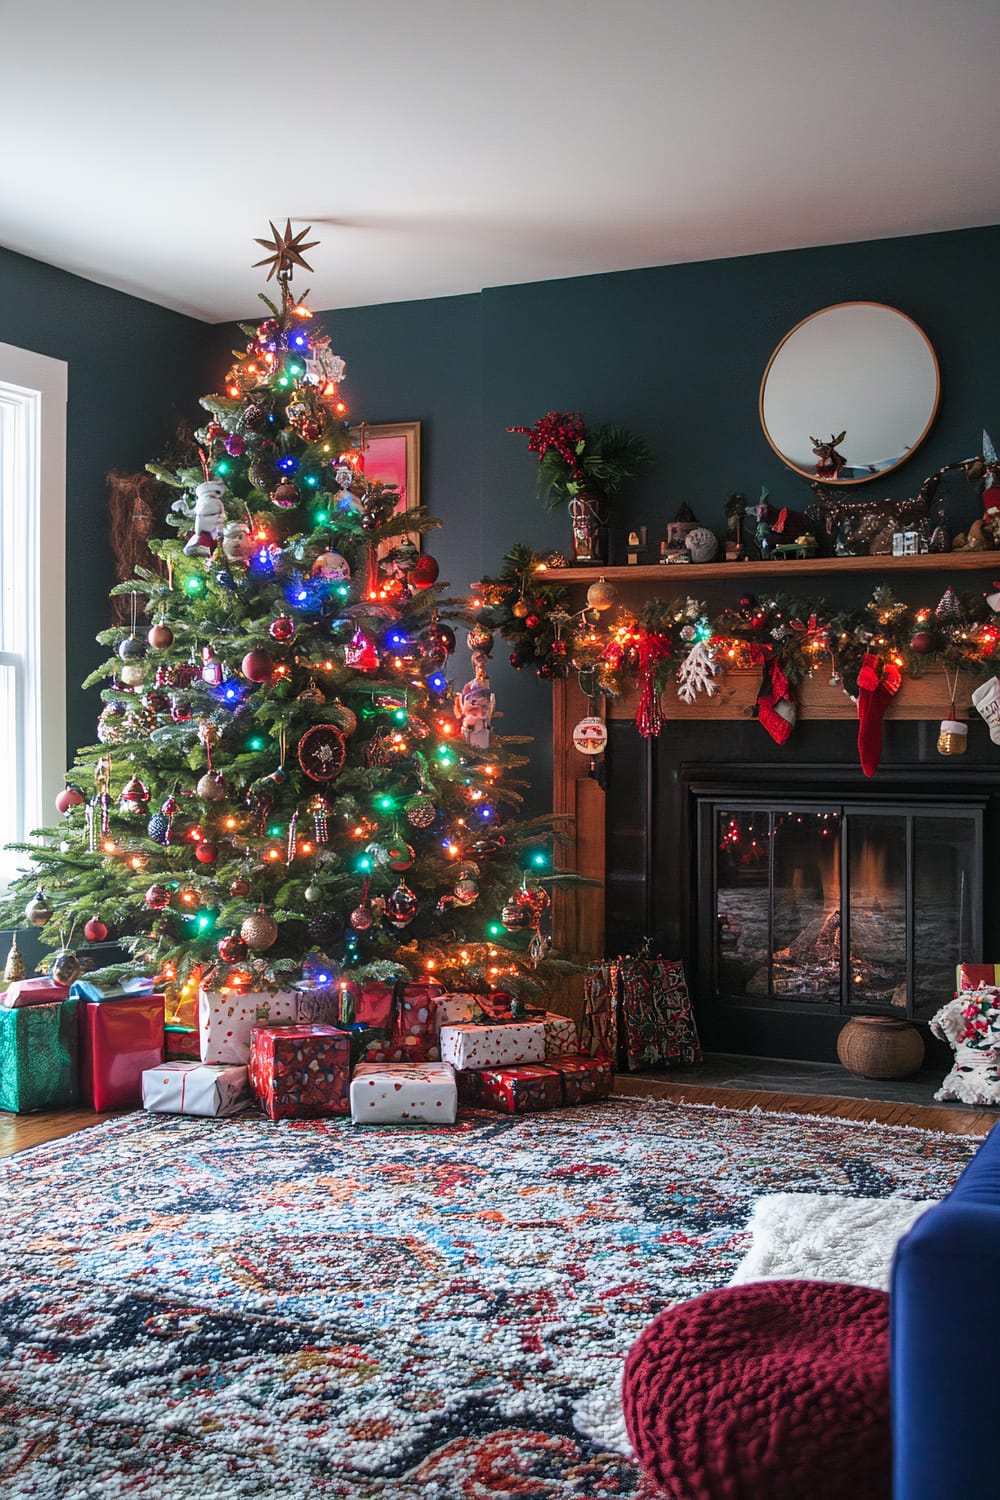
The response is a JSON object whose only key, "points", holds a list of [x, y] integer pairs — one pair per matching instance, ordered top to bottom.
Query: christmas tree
{"points": [[285, 784]]}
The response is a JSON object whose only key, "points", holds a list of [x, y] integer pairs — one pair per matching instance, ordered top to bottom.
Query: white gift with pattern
{"points": [[455, 1010], [225, 1021], [561, 1037], [500, 1046], [191, 1088], [398, 1093]]}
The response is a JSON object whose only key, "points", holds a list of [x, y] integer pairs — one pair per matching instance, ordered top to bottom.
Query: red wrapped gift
{"points": [[971, 976], [43, 991], [373, 1005], [413, 1028], [120, 1037], [180, 1043], [301, 1072], [584, 1078], [468, 1081], [517, 1091]]}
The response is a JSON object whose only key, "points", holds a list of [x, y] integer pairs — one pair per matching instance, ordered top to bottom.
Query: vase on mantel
{"points": [[588, 512]]}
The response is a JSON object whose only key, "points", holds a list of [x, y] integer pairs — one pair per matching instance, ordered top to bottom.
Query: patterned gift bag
{"points": [[638, 1014]]}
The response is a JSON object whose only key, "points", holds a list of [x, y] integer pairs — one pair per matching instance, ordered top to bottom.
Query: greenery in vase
{"points": [[573, 457]]}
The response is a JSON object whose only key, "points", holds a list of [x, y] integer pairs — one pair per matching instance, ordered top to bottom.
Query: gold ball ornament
{"points": [[601, 595], [520, 608], [212, 787], [38, 911], [259, 931]]}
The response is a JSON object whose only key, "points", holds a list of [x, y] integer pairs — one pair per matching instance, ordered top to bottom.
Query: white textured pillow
{"points": [[826, 1237]]}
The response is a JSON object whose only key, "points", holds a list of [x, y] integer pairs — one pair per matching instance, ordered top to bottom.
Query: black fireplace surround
{"points": [[709, 853]]}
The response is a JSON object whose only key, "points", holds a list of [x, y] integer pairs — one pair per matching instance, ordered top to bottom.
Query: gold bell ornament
{"points": [[953, 737]]}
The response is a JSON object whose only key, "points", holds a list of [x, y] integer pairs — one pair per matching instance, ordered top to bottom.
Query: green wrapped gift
{"points": [[39, 1048]]}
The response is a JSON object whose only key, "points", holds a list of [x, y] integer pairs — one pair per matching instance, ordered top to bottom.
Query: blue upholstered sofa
{"points": [[944, 1314]]}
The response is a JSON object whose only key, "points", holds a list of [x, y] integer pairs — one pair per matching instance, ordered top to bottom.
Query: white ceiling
{"points": [[443, 147]]}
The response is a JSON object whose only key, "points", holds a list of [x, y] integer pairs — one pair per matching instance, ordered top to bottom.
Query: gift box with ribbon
{"points": [[194, 1088]]}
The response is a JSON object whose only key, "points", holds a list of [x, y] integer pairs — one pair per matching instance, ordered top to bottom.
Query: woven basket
{"points": [[880, 1047]]}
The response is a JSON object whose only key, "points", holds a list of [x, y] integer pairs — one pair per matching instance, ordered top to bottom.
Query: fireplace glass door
{"points": [[859, 907]]}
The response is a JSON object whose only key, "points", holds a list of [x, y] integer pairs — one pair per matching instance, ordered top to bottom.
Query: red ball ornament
{"points": [[425, 571], [531, 622], [281, 629], [160, 637], [922, 642], [258, 666], [70, 796], [206, 853], [400, 856], [239, 887], [157, 897], [401, 906], [95, 931], [232, 949]]}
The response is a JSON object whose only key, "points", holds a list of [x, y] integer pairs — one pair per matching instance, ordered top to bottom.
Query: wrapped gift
{"points": [[971, 976], [34, 992], [318, 1005], [373, 1005], [497, 1005], [456, 1010], [638, 1014], [225, 1021], [413, 1025], [560, 1035], [120, 1036], [180, 1043], [504, 1045], [39, 1054], [301, 1072], [584, 1078], [469, 1085], [195, 1088], [518, 1091], [384, 1093]]}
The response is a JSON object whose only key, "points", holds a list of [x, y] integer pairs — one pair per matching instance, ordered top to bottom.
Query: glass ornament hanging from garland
{"points": [[401, 906]]}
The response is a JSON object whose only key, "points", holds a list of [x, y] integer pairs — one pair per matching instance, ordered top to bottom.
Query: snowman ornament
{"points": [[208, 518]]}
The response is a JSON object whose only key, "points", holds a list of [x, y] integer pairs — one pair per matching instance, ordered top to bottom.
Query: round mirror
{"points": [[850, 393]]}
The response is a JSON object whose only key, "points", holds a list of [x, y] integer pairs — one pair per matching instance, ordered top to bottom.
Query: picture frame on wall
{"points": [[392, 455]]}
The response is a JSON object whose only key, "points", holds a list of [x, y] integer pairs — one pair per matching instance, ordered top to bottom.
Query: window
{"points": [[32, 592]]}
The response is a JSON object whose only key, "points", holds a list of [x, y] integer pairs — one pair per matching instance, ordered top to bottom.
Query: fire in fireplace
{"points": [[852, 906]]}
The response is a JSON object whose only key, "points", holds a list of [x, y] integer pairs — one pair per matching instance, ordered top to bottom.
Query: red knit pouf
{"points": [[776, 1390]]}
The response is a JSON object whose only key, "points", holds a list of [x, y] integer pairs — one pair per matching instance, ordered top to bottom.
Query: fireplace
{"points": [[798, 892], [854, 906]]}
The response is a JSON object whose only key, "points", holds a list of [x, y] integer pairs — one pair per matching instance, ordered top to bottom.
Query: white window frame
{"points": [[33, 393]]}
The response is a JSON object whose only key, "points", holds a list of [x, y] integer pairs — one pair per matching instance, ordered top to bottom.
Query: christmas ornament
{"points": [[285, 495], [207, 516], [237, 543], [331, 567], [425, 571], [601, 595], [948, 607], [281, 629], [160, 636], [479, 639], [922, 642], [131, 648], [360, 652], [258, 666], [211, 667], [696, 673], [132, 674], [875, 692], [312, 694], [156, 702], [474, 708], [180, 710], [344, 717], [110, 724], [590, 736], [322, 752], [212, 787], [261, 795], [70, 796], [134, 797], [319, 808], [420, 811], [159, 825], [206, 853], [378, 854], [400, 855], [239, 887], [466, 891], [312, 894], [157, 898], [537, 898], [446, 903], [400, 906], [38, 911], [517, 914], [362, 917], [259, 930], [95, 931], [232, 949], [66, 967], [13, 969]]}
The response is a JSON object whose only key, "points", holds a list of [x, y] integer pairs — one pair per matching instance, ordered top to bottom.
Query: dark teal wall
{"points": [[676, 353], [135, 370]]}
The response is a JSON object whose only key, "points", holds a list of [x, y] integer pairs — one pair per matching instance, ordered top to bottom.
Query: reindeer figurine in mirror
{"points": [[828, 461]]}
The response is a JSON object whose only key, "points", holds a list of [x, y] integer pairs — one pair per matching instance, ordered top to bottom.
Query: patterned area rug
{"points": [[227, 1309]]}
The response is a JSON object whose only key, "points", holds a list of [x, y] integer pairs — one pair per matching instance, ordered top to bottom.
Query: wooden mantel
{"points": [[578, 916]]}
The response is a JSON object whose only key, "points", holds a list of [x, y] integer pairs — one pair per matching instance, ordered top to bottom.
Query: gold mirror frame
{"points": [[878, 472]]}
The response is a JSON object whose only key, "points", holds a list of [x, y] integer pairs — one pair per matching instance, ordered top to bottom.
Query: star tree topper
{"points": [[287, 251]]}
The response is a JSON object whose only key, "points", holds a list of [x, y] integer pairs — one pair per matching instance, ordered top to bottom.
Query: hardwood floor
{"points": [[21, 1132]]}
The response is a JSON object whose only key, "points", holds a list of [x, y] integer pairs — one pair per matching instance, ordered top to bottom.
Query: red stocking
{"points": [[874, 693], [775, 708]]}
